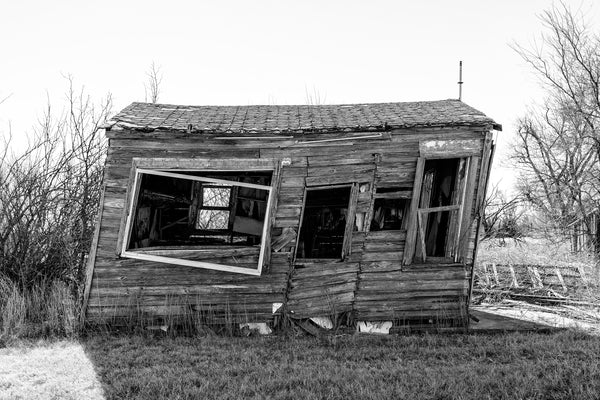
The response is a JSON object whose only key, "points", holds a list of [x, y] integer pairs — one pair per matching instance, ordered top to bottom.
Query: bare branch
{"points": [[152, 87], [5, 98], [314, 98], [50, 191]]}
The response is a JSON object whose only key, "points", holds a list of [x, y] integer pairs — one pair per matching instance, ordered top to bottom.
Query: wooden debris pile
{"points": [[538, 284]]}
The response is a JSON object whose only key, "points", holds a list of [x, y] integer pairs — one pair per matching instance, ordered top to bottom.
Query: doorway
{"points": [[324, 223]]}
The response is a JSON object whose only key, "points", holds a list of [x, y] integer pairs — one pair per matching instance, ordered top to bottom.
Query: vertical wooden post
{"points": [[272, 199], [466, 213], [350, 214], [411, 232], [421, 233], [91, 260], [495, 271], [485, 274], [582, 274], [534, 275], [560, 279], [515, 283]]}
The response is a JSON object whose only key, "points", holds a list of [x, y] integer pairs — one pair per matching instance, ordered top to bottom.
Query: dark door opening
{"points": [[323, 223]]}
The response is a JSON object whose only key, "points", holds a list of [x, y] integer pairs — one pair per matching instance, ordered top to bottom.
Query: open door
{"points": [[439, 208]]}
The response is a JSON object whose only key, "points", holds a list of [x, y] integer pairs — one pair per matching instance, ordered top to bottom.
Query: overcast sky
{"points": [[271, 52]]}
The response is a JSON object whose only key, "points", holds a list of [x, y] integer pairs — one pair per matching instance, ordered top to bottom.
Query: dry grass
{"points": [[532, 251], [544, 252], [46, 310], [47, 370]]}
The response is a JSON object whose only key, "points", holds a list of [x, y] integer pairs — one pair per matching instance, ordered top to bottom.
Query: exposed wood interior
{"points": [[367, 279]]}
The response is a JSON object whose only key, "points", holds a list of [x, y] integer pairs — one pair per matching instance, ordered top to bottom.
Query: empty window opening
{"points": [[216, 196], [440, 207], [216, 208], [390, 208], [389, 214], [324, 223]]}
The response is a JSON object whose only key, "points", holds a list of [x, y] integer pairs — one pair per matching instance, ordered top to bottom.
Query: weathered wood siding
{"points": [[370, 282]]}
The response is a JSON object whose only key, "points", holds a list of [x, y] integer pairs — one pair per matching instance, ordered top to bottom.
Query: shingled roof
{"points": [[147, 117]]}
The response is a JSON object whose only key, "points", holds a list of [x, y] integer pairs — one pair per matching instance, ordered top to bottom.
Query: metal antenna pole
{"points": [[460, 81]]}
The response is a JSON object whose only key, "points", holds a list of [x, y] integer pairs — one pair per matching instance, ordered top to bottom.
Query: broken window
{"points": [[390, 208], [439, 210], [208, 219], [324, 223]]}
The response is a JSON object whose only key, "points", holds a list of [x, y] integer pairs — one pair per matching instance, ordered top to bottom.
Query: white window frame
{"points": [[154, 168]]}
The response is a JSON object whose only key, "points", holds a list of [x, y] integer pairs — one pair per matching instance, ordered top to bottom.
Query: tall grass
{"points": [[533, 251], [50, 309], [46, 310], [180, 315]]}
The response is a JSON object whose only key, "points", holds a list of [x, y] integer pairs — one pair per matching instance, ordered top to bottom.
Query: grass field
{"points": [[564, 365]]}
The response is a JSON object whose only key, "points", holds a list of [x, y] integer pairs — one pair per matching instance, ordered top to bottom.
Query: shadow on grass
{"points": [[489, 320], [502, 366]]}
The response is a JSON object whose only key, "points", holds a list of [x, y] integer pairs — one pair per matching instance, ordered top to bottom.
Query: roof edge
{"points": [[298, 119]]}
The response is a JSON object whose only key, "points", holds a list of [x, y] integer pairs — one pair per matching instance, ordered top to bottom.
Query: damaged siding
{"points": [[370, 281]]}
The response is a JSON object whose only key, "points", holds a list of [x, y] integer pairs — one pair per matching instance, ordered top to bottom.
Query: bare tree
{"points": [[152, 87], [314, 97], [558, 143], [86, 150], [559, 171], [50, 192], [502, 216]]}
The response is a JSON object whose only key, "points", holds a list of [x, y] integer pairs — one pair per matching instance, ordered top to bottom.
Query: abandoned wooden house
{"points": [[367, 211]]}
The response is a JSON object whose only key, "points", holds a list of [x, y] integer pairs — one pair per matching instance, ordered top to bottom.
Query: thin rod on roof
{"points": [[460, 81]]}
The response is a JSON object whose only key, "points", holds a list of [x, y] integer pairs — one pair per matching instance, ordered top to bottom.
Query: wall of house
{"points": [[370, 281]]}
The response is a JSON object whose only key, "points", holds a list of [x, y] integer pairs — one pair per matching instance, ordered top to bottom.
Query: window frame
{"points": [[170, 168], [416, 230]]}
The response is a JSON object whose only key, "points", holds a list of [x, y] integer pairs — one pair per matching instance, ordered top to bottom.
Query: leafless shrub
{"points": [[50, 193], [502, 216]]}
